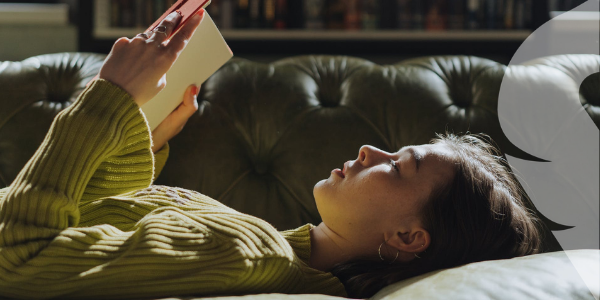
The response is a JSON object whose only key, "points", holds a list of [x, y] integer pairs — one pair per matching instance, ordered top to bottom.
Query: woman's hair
{"points": [[479, 215]]}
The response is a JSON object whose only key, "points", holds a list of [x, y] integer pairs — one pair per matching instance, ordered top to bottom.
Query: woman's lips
{"points": [[338, 172], [341, 173]]}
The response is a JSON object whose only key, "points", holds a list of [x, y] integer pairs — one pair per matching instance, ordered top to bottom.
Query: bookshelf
{"points": [[344, 35], [378, 45]]}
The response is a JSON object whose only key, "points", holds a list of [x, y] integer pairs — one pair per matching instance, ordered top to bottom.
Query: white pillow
{"points": [[544, 276]]}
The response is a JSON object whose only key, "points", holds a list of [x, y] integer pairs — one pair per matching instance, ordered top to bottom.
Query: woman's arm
{"points": [[97, 147]]}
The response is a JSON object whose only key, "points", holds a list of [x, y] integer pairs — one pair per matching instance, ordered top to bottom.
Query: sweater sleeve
{"points": [[97, 147], [101, 147], [160, 160]]}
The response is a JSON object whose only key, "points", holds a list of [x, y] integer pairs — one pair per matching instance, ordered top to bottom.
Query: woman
{"points": [[82, 220]]}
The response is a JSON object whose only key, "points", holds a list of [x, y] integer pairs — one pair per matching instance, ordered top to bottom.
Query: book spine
{"points": [[159, 9], [472, 9], [227, 10], [418, 10], [314, 11], [102, 13], [114, 13], [139, 13], [254, 13], [127, 14], [148, 14], [242, 14], [268, 14], [281, 14], [295, 14], [335, 14], [370, 14], [404, 14], [456, 14], [490, 14], [519, 14], [528, 14], [352, 15], [388, 17], [435, 18], [509, 19]]}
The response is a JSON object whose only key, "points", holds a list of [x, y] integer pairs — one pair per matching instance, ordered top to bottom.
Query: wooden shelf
{"points": [[345, 35]]}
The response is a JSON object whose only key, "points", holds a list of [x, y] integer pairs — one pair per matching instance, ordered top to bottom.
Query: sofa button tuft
{"points": [[261, 168]]}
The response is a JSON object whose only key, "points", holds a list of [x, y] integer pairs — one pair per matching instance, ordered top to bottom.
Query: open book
{"points": [[204, 54]]}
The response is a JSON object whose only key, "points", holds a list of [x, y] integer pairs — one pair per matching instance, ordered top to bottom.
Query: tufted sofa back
{"points": [[267, 133]]}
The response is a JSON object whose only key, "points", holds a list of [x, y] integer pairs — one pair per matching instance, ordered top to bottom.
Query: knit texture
{"points": [[83, 220]]}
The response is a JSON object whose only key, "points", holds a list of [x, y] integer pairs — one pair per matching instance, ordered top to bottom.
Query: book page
{"points": [[204, 54]]}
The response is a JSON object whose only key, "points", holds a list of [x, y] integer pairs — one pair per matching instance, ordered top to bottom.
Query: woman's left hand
{"points": [[175, 121]]}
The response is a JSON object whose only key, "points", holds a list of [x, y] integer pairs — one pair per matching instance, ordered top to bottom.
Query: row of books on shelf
{"points": [[338, 14]]}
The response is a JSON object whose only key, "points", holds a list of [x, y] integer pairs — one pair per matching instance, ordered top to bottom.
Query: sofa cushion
{"points": [[266, 133], [546, 276]]}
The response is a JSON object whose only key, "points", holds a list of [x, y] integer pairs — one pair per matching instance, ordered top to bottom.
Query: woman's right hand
{"points": [[139, 65]]}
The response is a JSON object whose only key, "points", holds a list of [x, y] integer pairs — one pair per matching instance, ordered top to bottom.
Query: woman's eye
{"points": [[394, 165]]}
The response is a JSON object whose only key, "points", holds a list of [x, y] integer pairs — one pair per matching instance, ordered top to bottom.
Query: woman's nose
{"points": [[368, 155]]}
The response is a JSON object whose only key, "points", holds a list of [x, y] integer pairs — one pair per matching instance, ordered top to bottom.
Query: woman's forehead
{"points": [[440, 150]]}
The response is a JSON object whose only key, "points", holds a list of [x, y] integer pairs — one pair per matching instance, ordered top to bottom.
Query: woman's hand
{"points": [[139, 65], [174, 122]]}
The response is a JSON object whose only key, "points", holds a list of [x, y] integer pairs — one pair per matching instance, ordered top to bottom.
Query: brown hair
{"points": [[479, 215]]}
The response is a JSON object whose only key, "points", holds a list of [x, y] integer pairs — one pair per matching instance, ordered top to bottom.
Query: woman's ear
{"points": [[413, 240]]}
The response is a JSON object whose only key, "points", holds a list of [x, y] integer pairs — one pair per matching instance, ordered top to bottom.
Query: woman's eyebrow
{"points": [[415, 154], [417, 157]]}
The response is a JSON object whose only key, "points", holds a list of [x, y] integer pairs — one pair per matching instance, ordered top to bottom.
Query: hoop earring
{"points": [[379, 251], [416, 254]]}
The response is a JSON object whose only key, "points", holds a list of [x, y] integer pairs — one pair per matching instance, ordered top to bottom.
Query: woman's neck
{"points": [[327, 248]]}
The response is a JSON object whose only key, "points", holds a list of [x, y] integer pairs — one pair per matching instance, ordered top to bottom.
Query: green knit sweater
{"points": [[82, 220]]}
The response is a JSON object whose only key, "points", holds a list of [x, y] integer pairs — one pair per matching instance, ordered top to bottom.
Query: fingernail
{"points": [[179, 12], [173, 15], [197, 16], [195, 90]]}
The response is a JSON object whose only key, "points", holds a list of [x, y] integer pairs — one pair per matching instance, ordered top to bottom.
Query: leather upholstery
{"points": [[266, 133]]}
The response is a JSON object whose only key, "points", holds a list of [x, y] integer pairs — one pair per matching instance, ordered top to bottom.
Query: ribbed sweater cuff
{"points": [[160, 159]]}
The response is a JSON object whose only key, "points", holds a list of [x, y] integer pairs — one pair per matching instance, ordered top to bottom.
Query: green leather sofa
{"points": [[266, 133]]}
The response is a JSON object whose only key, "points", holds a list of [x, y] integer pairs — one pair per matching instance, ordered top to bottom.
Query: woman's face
{"points": [[369, 196]]}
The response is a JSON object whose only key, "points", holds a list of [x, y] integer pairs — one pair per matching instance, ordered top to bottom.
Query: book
{"points": [[269, 8], [336, 10], [314, 11], [255, 13], [102, 14], [242, 14], [281, 14], [370, 14], [388, 14], [404, 14], [418, 14], [456, 14], [472, 14], [490, 14], [352, 15], [519, 15], [227, 17], [435, 19], [509, 19], [204, 54]]}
